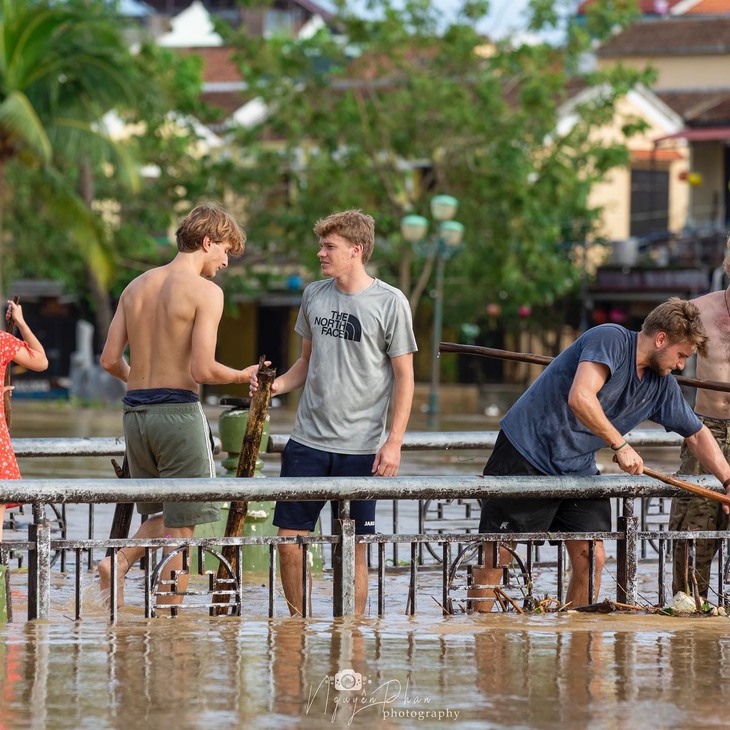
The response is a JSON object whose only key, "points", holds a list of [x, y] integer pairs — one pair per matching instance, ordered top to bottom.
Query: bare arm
{"points": [[112, 356], [35, 359], [204, 368], [583, 401], [703, 445], [387, 460]]}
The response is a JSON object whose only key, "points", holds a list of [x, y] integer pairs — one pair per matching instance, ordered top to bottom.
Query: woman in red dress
{"points": [[28, 353]]}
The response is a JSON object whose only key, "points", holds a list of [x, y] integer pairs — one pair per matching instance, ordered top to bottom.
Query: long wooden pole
{"points": [[546, 360], [246, 468], [689, 486]]}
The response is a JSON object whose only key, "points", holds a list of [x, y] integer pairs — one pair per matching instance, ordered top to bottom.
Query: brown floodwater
{"points": [[499, 671], [564, 671]]}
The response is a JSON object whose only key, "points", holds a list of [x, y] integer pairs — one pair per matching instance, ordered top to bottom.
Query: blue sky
{"points": [[505, 17]]}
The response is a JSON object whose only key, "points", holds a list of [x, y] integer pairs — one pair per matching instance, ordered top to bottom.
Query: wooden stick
{"points": [[546, 360], [246, 469], [694, 488], [123, 511], [500, 595]]}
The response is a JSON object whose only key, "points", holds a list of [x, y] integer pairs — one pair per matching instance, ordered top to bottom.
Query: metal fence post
{"points": [[626, 554], [344, 564], [39, 565]]}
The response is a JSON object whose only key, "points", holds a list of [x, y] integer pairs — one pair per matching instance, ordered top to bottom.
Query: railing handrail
{"points": [[445, 440], [413, 441], [76, 446], [223, 489]]}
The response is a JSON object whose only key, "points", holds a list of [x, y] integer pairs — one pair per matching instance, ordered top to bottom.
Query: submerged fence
{"points": [[457, 551]]}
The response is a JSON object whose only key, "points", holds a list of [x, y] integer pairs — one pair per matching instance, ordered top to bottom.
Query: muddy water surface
{"points": [[498, 671]]}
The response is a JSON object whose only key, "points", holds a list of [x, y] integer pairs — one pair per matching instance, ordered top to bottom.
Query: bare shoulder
{"points": [[205, 289], [711, 301], [713, 311]]}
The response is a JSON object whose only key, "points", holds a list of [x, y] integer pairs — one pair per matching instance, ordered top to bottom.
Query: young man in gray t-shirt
{"points": [[357, 356]]}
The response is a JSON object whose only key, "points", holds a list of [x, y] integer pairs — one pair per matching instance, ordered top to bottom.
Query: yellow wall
{"points": [[680, 72], [614, 194], [708, 199]]}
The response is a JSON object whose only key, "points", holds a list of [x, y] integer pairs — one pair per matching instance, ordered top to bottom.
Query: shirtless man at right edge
{"points": [[169, 318], [713, 409]]}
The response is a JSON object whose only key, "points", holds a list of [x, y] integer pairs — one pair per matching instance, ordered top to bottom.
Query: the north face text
{"points": [[340, 324]]}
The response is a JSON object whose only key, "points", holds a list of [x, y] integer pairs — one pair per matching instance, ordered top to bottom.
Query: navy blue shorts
{"points": [[303, 461], [536, 515]]}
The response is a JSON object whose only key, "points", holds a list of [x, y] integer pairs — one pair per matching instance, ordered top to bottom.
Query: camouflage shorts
{"points": [[698, 513]]}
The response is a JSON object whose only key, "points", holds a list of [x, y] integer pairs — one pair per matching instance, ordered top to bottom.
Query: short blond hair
{"points": [[210, 220], [354, 226], [680, 320]]}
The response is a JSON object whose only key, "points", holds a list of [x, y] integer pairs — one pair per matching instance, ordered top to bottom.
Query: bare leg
{"points": [[126, 557], [290, 565], [580, 572], [487, 575], [361, 578]]}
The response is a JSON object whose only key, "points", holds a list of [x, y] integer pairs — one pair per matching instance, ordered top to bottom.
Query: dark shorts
{"points": [[303, 461], [536, 515]]}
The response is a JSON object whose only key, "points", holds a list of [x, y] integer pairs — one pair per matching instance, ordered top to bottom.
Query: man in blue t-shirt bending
{"points": [[602, 386]]}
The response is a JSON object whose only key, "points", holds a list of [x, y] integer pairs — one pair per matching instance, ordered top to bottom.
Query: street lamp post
{"points": [[447, 242]]}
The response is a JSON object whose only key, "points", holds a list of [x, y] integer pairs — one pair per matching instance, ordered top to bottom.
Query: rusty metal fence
{"points": [[451, 547], [453, 572]]}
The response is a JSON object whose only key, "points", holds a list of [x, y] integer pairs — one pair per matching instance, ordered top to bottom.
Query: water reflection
{"points": [[501, 672]]}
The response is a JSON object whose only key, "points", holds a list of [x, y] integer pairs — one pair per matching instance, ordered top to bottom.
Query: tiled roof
{"points": [[175, 6], [673, 7], [709, 7], [677, 36], [218, 64], [227, 101], [699, 108]]}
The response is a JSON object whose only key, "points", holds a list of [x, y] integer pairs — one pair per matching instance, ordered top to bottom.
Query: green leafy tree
{"points": [[62, 66], [405, 104]]}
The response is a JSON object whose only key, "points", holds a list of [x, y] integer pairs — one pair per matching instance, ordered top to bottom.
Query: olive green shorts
{"points": [[171, 440]]}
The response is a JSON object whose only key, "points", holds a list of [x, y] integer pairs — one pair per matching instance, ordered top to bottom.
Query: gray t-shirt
{"points": [[344, 405], [543, 428]]}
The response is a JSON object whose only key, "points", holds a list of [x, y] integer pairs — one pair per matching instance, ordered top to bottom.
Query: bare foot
{"points": [[105, 579]]}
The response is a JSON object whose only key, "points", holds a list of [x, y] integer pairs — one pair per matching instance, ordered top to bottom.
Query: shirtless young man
{"points": [[169, 318], [713, 409]]}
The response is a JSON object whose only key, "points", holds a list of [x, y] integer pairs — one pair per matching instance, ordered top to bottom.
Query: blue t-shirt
{"points": [[542, 427]]}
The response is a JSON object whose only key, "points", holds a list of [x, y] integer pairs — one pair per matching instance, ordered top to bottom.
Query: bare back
{"points": [[161, 309], [715, 365]]}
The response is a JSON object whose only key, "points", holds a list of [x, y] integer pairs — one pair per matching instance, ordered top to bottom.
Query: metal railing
{"points": [[41, 544]]}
